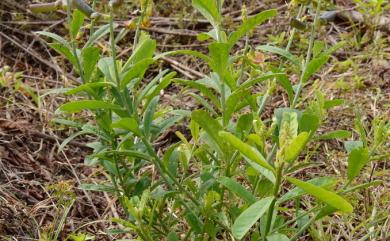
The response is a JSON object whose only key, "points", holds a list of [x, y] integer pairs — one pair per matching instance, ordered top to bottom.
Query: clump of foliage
{"points": [[233, 177]]}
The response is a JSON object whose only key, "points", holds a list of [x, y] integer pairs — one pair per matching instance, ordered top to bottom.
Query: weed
{"points": [[233, 177]]}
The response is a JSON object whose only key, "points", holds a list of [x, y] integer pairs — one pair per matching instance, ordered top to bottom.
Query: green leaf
{"points": [[209, 10], [76, 23], [250, 24], [98, 34], [56, 37], [144, 50], [65, 51], [184, 52], [282, 52], [219, 53], [90, 57], [106, 66], [313, 66], [136, 71], [165, 81], [251, 82], [286, 84], [89, 87], [202, 88], [231, 103], [333, 103], [77, 106], [149, 114], [309, 123], [129, 124], [210, 125], [244, 125], [288, 128], [335, 135], [69, 139], [351, 145], [296, 146], [245, 149], [128, 153], [357, 159], [263, 171], [325, 182], [97, 187], [237, 188], [323, 195], [249, 217], [194, 222], [172, 236], [277, 237]]}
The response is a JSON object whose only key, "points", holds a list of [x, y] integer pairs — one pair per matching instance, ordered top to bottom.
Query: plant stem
{"points": [[139, 22], [73, 44], [113, 47], [308, 55], [163, 171], [279, 173]]}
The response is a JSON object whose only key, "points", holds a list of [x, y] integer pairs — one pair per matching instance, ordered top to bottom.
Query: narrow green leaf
{"points": [[209, 10], [76, 23], [249, 24], [98, 34], [56, 37], [145, 50], [65, 51], [184, 52], [282, 52], [219, 53], [90, 57], [106, 66], [313, 66], [136, 71], [165, 81], [251, 82], [89, 87], [202, 88], [231, 103], [332, 103], [77, 106], [149, 114], [129, 124], [210, 125], [288, 129], [335, 135], [69, 139], [296, 146], [245, 149], [128, 153], [357, 159], [325, 182], [97, 187], [237, 188], [323, 195], [249, 217], [194, 222], [277, 237]]}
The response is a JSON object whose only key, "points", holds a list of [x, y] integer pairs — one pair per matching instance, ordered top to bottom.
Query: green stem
{"points": [[139, 22], [113, 47], [308, 55], [161, 168], [279, 173]]}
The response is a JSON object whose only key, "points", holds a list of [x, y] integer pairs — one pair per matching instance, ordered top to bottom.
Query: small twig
{"points": [[36, 56], [190, 73]]}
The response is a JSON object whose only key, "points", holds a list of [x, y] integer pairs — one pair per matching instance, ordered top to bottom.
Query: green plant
{"points": [[232, 177]]}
